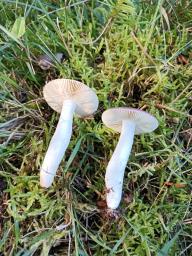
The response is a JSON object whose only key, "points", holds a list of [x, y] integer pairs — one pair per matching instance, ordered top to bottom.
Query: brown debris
{"points": [[181, 59], [187, 136], [176, 185], [128, 198], [3, 205]]}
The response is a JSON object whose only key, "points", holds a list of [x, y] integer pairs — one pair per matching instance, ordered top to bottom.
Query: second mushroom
{"points": [[67, 97], [127, 121]]}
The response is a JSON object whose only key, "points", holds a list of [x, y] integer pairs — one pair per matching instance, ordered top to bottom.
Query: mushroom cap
{"points": [[57, 91], [144, 122]]}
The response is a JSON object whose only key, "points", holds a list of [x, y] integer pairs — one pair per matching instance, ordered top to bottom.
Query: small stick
{"points": [[172, 110]]}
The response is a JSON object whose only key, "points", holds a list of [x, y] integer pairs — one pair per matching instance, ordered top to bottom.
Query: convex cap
{"points": [[57, 91], [144, 122]]}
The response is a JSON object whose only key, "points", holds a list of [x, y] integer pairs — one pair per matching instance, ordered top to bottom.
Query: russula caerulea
{"points": [[67, 97], [128, 122]]}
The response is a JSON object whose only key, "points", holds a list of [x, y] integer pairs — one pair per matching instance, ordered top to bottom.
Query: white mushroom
{"points": [[66, 97], [128, 122]]}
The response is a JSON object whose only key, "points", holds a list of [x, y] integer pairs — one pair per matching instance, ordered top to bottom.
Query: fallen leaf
{"points": [[164, 13], [181, 59], [168, 184], [177, 185], [180, 185], [128, 198]]}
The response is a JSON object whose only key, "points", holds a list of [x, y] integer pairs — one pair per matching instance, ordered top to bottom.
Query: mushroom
{"points": [[66, 97], [127, 121]]}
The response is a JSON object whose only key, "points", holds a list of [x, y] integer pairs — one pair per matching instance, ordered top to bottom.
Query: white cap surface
{"points": [[57, 91], [144, 122]]}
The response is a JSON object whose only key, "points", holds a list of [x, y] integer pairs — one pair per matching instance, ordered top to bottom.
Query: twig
{"points": [[172, 110]]}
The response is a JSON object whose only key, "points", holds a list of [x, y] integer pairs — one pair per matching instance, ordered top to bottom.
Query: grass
{"points": [[135, 54]]}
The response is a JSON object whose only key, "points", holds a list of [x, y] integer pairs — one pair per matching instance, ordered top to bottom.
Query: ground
{"points": [[135, 54]]}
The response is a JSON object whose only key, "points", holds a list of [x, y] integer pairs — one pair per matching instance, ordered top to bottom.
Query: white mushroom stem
{"points": [[58, 144], [117, 164]]}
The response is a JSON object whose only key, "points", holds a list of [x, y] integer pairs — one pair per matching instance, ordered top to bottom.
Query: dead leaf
{"points": [[165, 16], [181, 59], [177, 185], [180, 185], [128, 198], [102, 204]]}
